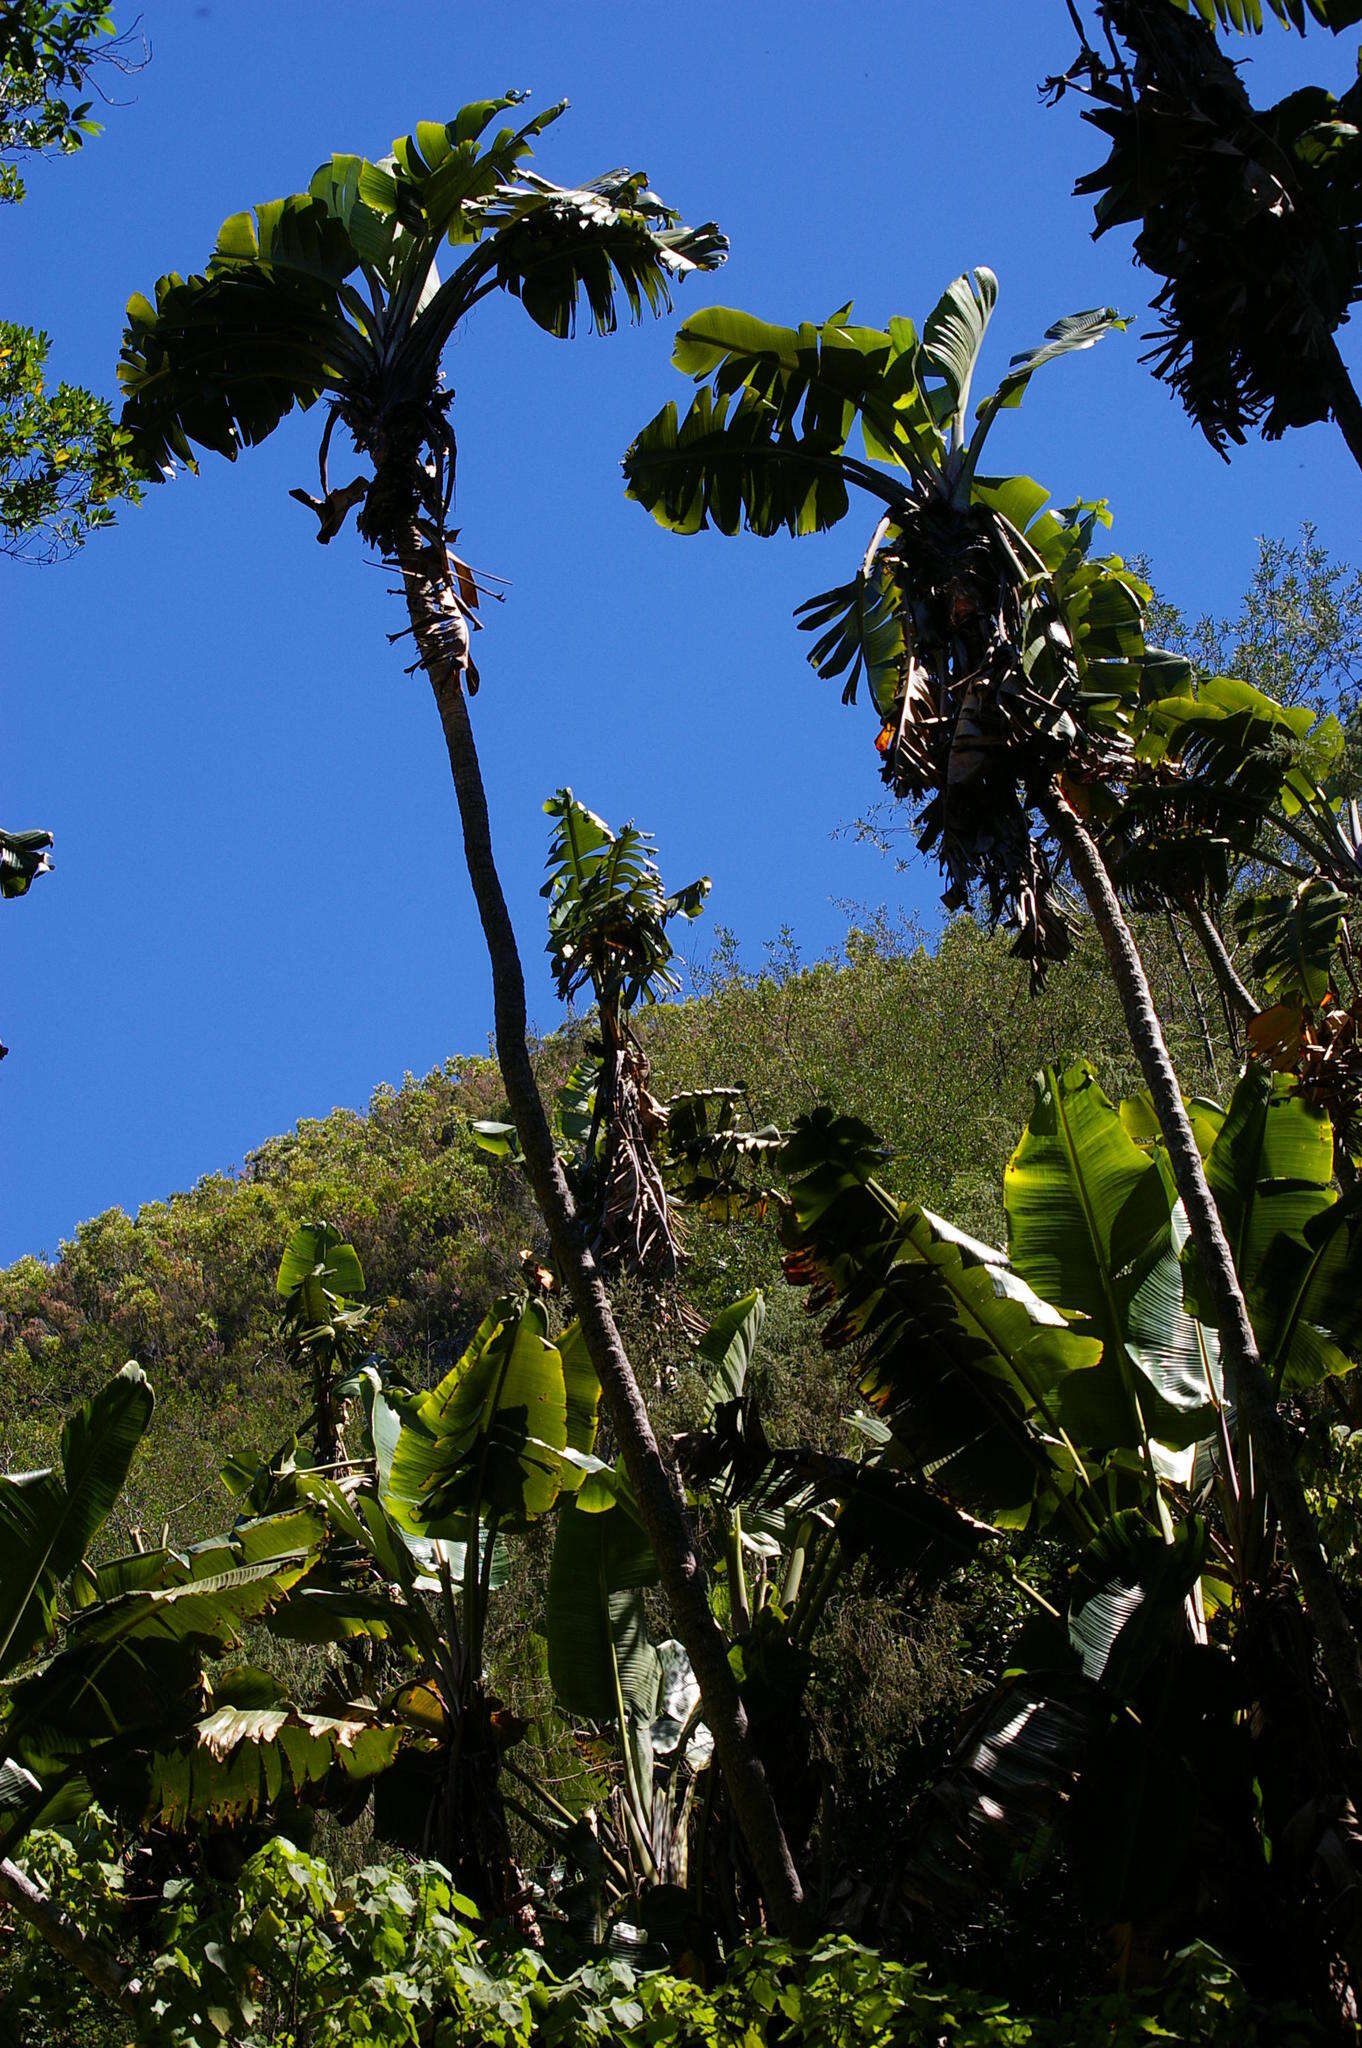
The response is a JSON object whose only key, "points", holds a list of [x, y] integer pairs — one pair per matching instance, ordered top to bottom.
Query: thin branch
{"points": [[96, 1965]]}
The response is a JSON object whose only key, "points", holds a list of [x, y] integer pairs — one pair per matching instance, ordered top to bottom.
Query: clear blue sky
{"points": [[259, 908]]}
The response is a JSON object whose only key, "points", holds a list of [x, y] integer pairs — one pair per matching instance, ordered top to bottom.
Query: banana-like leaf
{"points": [[1246, 16], [276, 319], [1076, 331], [951, 341], [222, 357], [818, 380], [730, 466], [860, 628], [1242, 751], [608, 911], [1294, 933], [712, 1153], [1270, 1171], [1090, 1224], [317, 1253], [1306, 1302], [726, 1349], [962, 1358], [582, 1396], [485, 1440], [47, 1518], [1127, 1601], [210, 1611], [599, 1655], [238, 1761], [1008, 1788]]}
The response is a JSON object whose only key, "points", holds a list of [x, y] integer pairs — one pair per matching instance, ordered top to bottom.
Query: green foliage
{"points": [[1247, 15], [47, 50], [1249, 216], [278, 318], [64, 463], [1000, 649], [23, 856], [608, 911], [48, 1518], [288, 1956]]}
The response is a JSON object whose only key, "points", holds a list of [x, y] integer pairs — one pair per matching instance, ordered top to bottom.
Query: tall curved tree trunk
{"points": [[441, 638], [1226, 973], [1257, 1403]]}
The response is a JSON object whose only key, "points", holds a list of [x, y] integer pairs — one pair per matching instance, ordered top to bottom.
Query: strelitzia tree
{"points": [[332, 298], [1016, 701]]}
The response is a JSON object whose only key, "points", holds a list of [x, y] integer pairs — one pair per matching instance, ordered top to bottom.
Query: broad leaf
{"points": [[1294, 933], [1090, 1225], [484, 1441], [47, 1519], [599, 1655], [238, 1761]]}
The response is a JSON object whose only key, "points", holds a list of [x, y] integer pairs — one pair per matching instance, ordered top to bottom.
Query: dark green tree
{"points": [[1251, 216]]}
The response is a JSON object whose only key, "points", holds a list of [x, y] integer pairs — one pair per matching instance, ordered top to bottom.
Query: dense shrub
{"points": [[393, 1957]]}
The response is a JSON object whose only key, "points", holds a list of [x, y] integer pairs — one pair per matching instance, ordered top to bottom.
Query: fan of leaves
{"points": [[1252, 217]]}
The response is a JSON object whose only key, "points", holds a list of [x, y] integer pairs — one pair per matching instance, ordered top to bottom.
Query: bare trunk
{"points": [[1343, 400], [436, 622], [1216, 951], [1208, 1043], [1253, 1393], [99, 1969]]}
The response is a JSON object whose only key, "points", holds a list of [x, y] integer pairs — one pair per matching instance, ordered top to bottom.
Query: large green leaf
{"points": [[1074, 332], [952, 338], [222, 357], [818, 380], [729, 466], [860, 629], [1294, 933], [1270, 1171], [1090, 1225], [316, 1252], [1306, 1301], [725, 1351], [962, 1357], [484, 1440], [47, 1519], [1128, 1595], [210, 1611], [599, 1654], [238, 1760]]}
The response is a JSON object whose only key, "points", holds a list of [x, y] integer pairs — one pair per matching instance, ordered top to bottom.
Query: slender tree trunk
{"points": [[1343, 400], [440, 633], [1224, 969], [1207, 1041], [1253, 1392], [99, 1969]]}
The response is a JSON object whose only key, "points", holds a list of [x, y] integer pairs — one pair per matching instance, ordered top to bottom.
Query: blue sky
{"points": [[259, 908]]}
